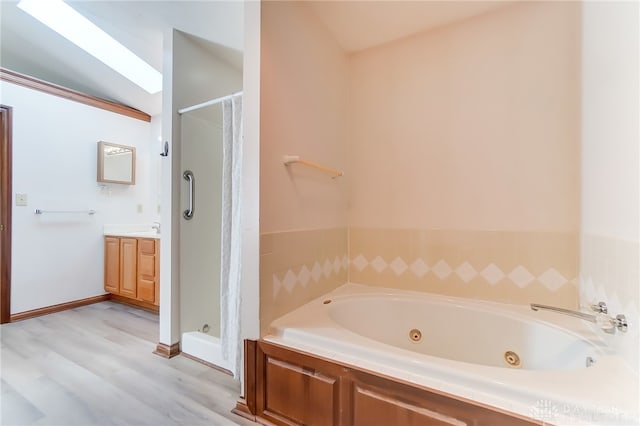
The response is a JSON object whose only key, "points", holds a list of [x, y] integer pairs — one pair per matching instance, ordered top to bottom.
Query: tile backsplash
{"points": [[298, 266], [504, 266]]}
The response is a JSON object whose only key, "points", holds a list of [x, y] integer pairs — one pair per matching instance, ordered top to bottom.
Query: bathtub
{"points": [[204, 347], [542, 365]]}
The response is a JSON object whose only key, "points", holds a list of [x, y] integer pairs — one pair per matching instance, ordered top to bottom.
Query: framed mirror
{"points": [[116, 163]]}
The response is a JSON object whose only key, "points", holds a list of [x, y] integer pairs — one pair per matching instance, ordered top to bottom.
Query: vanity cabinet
{"points": [[131, 270], [147, 270]]}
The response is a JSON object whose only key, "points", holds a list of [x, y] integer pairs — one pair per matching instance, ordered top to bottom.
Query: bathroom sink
{"points": [[132, 231], [143, 234]]}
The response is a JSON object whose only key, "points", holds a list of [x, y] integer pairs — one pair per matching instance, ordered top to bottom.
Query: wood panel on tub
{"points": [[289, 387]]}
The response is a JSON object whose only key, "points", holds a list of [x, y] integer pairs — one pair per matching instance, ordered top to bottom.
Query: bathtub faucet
{"points": [[607, 323]]}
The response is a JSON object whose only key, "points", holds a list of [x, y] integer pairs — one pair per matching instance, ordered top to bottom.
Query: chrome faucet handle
{"points": [[601, 307], [620, 321], [610, 324]]}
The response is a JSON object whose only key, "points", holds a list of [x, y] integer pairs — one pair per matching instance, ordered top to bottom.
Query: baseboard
{"points": [[137, 303], [59, 307], [167, 351], [208, 364], [242, 410]]}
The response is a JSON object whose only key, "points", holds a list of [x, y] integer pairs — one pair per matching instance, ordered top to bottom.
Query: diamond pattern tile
{"points": [[360, 262], [337, 264], [378, 264], [398, 266], [327, 268], [419, 268], [442, 269], [316, 272], [466, 272], [492, 274], [304, 276], [520, 276], [552, 279], [289, 280], [276, 286]]}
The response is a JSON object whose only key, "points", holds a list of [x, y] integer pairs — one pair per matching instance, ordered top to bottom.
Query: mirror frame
{"points": [[101, 146]]}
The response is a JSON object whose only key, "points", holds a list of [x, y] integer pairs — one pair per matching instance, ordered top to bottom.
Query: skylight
{"points": [[64, 20]]}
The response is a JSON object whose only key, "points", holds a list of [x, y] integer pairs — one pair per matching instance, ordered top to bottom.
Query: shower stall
{"points": [[200, 234], [207, 280], [200, 310]]}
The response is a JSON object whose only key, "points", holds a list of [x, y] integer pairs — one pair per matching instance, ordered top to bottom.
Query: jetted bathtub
{"points": [[543, 365]]}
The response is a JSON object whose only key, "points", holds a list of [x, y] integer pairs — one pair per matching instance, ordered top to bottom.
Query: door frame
{"points": [[6, 119]]}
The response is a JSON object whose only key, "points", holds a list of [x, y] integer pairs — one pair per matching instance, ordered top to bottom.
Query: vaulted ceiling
{"points": [[358, 25], [29, 47]]}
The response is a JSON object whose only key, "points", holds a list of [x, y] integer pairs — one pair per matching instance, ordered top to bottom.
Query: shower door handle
{"points": [[189, 177]]}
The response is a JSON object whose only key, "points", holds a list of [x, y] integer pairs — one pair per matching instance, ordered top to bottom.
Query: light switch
{"points": [[21, 199], [139, 208]]}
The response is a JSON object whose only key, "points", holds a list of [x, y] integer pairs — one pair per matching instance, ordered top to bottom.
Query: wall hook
{"points": [[165, 151]]}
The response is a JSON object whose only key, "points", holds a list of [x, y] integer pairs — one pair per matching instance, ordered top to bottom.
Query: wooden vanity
{"points": [[132, 270]]}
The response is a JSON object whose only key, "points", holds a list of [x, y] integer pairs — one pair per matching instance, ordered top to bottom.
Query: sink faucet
{"points": [[156, 226], [607, 323]]}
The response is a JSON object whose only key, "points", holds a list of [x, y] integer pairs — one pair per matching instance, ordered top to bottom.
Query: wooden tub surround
{"points": [[284, 386]]}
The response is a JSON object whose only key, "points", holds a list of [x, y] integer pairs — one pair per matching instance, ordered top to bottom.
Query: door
{"points": [[5, 213], [200, 234], [112, 265], [128, 267], [147, 272]]}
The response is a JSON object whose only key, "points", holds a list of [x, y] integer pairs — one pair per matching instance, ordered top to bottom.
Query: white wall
{"points": [[610, 199], [610, 248], [58, 258], [250, 281], [169, 293]]}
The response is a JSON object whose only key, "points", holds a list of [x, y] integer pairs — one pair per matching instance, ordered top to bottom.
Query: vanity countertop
{"points": [[131, 231]]}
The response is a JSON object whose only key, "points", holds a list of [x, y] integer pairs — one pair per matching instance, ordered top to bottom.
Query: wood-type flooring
{"points": [[94, 365]]}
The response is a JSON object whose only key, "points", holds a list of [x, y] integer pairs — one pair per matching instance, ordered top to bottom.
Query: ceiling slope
{"points": [[28, 47]]}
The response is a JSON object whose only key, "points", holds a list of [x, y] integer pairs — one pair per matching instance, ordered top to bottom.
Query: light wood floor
{"points": [[94, 366]]}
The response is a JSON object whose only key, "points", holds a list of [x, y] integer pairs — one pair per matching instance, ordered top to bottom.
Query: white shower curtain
{"points": [[231, 231]]}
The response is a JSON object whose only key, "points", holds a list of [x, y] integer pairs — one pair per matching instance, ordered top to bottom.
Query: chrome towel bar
{"points": [[40, 211]]}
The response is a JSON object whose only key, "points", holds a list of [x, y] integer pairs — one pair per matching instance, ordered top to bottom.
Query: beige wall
{"points": [[303, 112], [474, 126], [465, 143], [461, 152], [303, 213], [610, 248]]}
